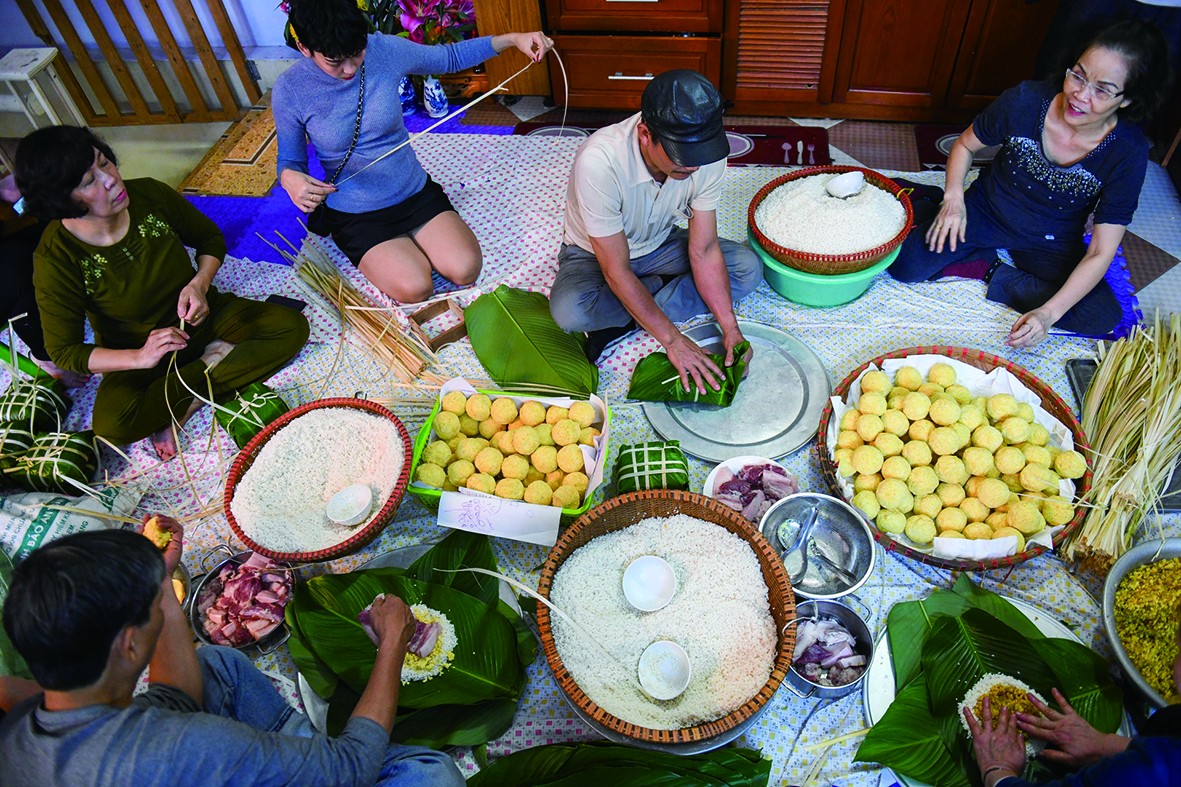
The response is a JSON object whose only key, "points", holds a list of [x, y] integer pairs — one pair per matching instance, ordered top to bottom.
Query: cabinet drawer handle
{"points": [[619, 75]]}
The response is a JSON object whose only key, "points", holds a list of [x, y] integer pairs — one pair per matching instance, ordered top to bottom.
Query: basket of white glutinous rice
{"points": [[797, 222], [279, 486], [730, 614]]}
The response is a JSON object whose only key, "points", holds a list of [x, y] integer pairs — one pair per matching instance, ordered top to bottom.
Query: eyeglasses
{"points": [[1100, 91]]}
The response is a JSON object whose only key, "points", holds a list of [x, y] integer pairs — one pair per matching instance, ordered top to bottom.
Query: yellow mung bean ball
{"points": [[941, 374], [908, 377], [875, 381], [930, 389], [898, 390], [960, 393], [894, 401], [455, 402], [873, 403], [915, 406], [1001, 406], [479, 407], [504, 410], [1025, 411], [944, 412], [532, 413], [554, 413], [582, 413], [972, 416], [849, 418], [895, 422], [446, 425], [468, 426], [489, 427], [868, 427], [920, 430], [1014, 430], [566, 432], [963, 432], [544, 434], [1038, 434], [587, 436], [988, 437], [849, 439], [943, 440], [502, 441], [525, 441], [454, 442], [888, 444], [470, 446], [917, 452], [1054, 452], [437, 453], [842, 453], [1035, 454], [545, 458], [570, 459], [867, 459], [978, 460], [1009, 460], [488, 461], [1070, 464], [514, 466], [845, 467], [896, 467], [951, 470], [459, 471], [430, 474], [533, 475], [554, 478], [1036, 478], [577, 480], [1013, 481], [481, 482], [866, 482], [971, 485], [449, 487], [510, 489], [992, 492], [538, 493], [893, 494], [951, 494], [566, 497], [867, 502], [929, 505], [975, 510], [1057, 510], [1025, 517], [951, 519], [996, 519], [890, 521], [920, 529], [977, 531], [1002, 532], [950, 534]]}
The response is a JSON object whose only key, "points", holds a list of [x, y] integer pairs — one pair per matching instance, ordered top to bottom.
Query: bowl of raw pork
{"points": [[795, 220], [750, 485], [240, 602], [832, 650]]}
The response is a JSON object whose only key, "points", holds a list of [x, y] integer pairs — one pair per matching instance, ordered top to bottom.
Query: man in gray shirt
{"points": [[90, 611]]}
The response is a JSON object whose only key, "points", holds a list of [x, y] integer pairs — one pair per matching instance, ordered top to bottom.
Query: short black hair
{"points": [[335, 28], [1146, 53], [50, 163], [70, 599]]}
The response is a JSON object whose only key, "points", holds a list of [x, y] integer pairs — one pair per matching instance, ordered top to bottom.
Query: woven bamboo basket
{"points": [[828, 264], [1052, 403], [626, 510], [363, 535]]}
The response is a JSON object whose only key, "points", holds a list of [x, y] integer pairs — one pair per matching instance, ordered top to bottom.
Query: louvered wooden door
{"points": [[775, 50]]}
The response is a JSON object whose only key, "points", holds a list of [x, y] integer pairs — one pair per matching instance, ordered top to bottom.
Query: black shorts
{"points": [[357, 233]]}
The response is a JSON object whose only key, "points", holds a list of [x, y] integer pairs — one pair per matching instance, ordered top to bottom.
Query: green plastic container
{"points": [[814, 289]]}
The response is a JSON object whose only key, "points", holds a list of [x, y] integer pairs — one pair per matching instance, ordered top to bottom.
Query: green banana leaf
{"points": [[516, 339], [657, 380], [459, 549], [997, 606], [486, 663], [1082, 676], [456, 725], [908, 740], [575, 765]]}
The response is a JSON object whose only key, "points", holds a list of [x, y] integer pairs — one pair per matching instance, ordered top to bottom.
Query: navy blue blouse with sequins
{"points": [[1032, 195]]}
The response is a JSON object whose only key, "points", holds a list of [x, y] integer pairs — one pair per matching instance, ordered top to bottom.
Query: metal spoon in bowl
{"points": [[800, 547]]}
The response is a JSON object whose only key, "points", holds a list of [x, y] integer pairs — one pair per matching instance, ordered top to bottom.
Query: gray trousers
{"points": [[581, 299]]}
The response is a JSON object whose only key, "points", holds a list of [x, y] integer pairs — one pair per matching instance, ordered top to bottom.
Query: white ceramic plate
{"points": [[734, 465], [877, 690]]}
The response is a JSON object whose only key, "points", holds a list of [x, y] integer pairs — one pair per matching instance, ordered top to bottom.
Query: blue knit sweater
{"points": [[309, 104]]}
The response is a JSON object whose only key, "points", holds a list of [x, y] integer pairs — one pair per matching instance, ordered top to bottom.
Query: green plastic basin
{"points": [[814, 289]]}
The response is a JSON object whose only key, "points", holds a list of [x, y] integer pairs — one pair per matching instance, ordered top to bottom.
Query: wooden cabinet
{"points": [[613, 48]]}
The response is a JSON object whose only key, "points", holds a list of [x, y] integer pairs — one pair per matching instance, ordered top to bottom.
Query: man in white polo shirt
{"points": [[622, 260]]}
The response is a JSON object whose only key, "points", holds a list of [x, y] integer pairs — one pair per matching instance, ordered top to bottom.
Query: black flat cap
{"points": [[684, 110]]}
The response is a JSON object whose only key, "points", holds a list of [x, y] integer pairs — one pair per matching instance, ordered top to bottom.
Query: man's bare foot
{"points": [[215, 352], [68, 379], [164, 441]]}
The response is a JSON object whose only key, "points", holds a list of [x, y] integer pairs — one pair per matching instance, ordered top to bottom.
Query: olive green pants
{"points": [[134, 404]]}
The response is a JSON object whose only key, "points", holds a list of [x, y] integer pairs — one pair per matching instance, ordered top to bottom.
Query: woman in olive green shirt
{"points": [[115, 253]]}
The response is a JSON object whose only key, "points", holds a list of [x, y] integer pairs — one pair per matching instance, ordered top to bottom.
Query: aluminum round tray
{"points": [[775, 411]]}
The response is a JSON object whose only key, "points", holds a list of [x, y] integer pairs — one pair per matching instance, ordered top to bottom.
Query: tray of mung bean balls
{"points": [[957, 457]]}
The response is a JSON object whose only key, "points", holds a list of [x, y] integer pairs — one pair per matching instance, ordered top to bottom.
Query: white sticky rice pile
{"points": [[802, 216], [280, 501], [720, 616]]}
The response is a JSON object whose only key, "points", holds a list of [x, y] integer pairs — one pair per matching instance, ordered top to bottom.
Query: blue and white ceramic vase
{"points": [[406, 95], [433, 97]]}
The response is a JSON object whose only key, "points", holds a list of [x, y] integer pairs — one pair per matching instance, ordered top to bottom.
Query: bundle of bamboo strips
{"points": [[396, 341], [1132, 416]]}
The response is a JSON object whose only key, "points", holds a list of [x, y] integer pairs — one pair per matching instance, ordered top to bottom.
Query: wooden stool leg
{"points": [[66, 98], [21, 100], [45, 102]]}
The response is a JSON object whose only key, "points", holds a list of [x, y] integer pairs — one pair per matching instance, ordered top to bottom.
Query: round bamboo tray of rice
{"points": [[828, 264], [986, 362], [617, 514], [363, 534]]}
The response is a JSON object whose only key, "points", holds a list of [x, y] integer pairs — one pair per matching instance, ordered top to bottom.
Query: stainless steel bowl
{"points": [[841, 549], [1142, 554], [847, 617], [265, 645]]}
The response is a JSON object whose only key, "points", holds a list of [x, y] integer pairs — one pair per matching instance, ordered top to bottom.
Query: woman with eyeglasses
{"points": [[1068, 149]]}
